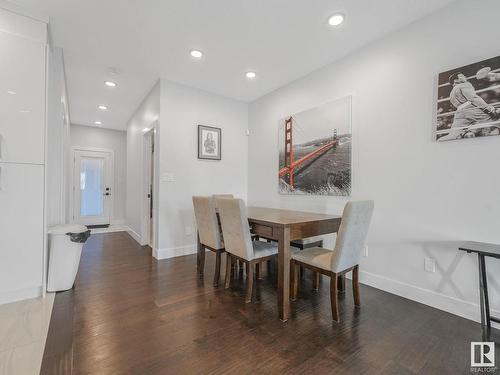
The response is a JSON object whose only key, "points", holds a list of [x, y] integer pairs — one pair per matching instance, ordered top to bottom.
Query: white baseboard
{"points": [[111, 229], [133, 234], [174, 252], [20, 294], [427, 297]]}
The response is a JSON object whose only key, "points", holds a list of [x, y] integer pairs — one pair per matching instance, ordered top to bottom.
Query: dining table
{"points": [[284, 226]]}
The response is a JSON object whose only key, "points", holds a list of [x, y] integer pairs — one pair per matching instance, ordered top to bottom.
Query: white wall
{"points": [[182, 110], [144, 117], [57, 139], [116, 140], [428, 195]]}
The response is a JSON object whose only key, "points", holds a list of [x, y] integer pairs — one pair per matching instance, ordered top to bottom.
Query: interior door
{"points": [[93, 184]]}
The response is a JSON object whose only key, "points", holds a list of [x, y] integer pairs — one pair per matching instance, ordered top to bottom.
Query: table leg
{"points": [[200, 256], [480, 261], [284, 273], [485, 291]]}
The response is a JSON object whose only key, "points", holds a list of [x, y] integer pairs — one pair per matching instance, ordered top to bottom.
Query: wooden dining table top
{"points": [[285, 217]]}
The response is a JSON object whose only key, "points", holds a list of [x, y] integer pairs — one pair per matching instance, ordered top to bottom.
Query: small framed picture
{"points": [[209, 142]]}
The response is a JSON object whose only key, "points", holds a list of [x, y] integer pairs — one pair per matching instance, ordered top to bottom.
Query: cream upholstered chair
{"points": [[216, 196], [209, 232], [254, 237], [238, 241], [307, 243], [345, 258]]}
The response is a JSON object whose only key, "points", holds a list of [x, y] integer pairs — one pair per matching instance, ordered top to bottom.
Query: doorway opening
{"points": [[93, 183], [149, 187]]}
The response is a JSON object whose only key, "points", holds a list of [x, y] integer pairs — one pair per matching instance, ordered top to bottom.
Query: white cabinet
{"points": [[22, 99], [22, 154], [21, 226]]}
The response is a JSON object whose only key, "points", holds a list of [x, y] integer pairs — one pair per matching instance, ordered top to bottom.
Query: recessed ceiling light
{"points": [[336, 19], [196, 54], [250, 75], [110, 84], [11, 92], [102, 107], [24, 111], [98, 123], [145, 130]]}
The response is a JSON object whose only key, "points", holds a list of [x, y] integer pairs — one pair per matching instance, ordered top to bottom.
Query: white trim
{"points": [[151, 134], [111, 176], [111, 229], [133, 234], [174, 252], [21, 294], [453, 305]]}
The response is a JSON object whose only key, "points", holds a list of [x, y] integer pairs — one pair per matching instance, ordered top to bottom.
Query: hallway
{"points": [[131, 314]]}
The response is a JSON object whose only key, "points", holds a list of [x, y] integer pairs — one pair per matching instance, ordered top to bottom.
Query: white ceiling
{"points": [[281, 40]]}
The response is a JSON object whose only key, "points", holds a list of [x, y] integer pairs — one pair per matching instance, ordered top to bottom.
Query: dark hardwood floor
{"points": [[130, 314]]}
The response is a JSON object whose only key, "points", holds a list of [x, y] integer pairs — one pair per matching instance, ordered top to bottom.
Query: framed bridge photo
{"points": [[468, 101], [209, 142], [315, 150]]}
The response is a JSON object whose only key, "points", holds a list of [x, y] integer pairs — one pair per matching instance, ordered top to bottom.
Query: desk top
{"points": [[286, 217], [488, 249]]}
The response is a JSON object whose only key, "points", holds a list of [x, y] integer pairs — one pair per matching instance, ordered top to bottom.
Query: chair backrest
{"points": [[217, 196], [206, 221], [235, 227], [352, 234]]}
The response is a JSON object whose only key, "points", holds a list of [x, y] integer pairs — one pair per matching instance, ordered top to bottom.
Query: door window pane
{"points": [[91, 187]]}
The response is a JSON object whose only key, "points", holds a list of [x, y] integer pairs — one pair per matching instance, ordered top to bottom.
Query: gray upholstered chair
{"points": [[217, 196], [209, 232], [238, 241], [307, 243], [345, 258]]}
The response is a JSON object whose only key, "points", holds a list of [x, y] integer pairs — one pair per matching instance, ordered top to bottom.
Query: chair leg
{"points": [[202, 260], [217, 268], [229, 271], [258, 271], [316, 279], [250, 280], [294, 280], [341, 283], [355, 286], [333, 297]]}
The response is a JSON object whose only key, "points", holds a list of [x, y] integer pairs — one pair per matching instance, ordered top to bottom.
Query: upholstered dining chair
{"points": [[215, 196], [209, 232], [254, 237], [238, 241], [307, 243], [343, 259]]}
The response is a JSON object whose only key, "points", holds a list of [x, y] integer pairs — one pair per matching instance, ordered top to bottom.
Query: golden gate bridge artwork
{"points": [[315, 151]]}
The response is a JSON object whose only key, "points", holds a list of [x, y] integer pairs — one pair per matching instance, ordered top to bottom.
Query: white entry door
{"points": [[93, 187]]}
